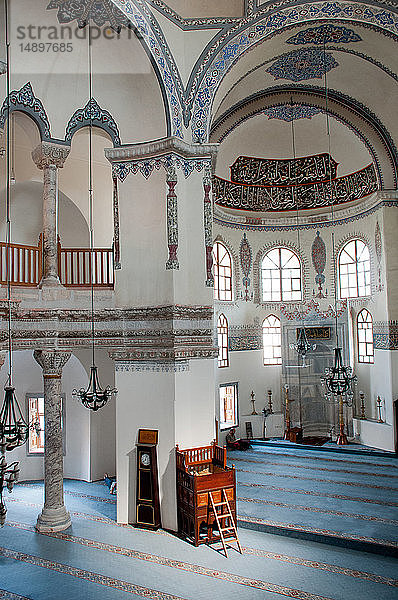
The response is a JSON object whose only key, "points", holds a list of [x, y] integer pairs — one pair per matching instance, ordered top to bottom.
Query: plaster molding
{"points": [[160, 147], [48, 153], [131, 366]]}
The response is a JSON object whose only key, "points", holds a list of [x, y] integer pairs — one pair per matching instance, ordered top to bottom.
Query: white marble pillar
{"points": [[50, 157], [54, 516]]}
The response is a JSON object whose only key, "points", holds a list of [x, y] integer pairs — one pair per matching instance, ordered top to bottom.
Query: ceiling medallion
{"points": [[100, 12]]}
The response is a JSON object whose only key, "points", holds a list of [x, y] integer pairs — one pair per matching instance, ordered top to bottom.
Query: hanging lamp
{"points": [[302, 346], [339, 379], [94, 397]]}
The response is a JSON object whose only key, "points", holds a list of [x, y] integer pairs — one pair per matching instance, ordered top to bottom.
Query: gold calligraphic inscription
{"points": [[316, 333]]}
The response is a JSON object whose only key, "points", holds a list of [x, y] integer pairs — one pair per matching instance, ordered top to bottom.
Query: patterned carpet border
{"points": [[308, 467], [321, 494], [324, 511], [326, 532], [121, 551], [117, 584], [148, 592], [10, 596]]}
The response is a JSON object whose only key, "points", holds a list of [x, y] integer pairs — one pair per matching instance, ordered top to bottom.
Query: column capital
{"points": [[48, 153], [52, 362]]}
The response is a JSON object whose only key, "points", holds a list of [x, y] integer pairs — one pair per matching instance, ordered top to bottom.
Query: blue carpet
{"points": [[98, 559]]}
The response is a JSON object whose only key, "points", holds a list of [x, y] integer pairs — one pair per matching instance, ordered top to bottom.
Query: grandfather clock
{"points": [[148, 504]]}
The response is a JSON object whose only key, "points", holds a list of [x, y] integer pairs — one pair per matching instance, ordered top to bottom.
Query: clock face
{"points": [[145, 459]]}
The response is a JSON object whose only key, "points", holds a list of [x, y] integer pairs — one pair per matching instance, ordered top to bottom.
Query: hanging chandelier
{"points": [[303, 346], [339, 380], [94, 397], [13, 428]]}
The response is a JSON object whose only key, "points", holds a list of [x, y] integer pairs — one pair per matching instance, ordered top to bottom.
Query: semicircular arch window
{"points": [[281, 276]]}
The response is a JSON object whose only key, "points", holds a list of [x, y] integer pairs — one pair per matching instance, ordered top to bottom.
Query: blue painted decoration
{"points": [[100, 12], [336, 34], [302, 64], [290, 112]]}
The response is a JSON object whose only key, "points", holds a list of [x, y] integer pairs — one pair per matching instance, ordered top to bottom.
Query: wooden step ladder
{"points": [[221, 518]]}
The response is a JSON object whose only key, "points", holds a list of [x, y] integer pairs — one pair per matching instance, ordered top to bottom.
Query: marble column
{"points": [[50, 157], [54, 516]]}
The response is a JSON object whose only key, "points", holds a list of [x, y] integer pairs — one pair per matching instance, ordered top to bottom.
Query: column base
{"points": [[50, 281], [53, 519]]}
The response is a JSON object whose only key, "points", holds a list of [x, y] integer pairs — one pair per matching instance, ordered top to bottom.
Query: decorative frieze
{"points": [[286, 172], [279, 198], [155, 333], [385, 335], [125, 366]]}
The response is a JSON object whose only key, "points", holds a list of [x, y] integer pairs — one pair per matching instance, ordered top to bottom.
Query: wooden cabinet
{"points": [[200, 471]]}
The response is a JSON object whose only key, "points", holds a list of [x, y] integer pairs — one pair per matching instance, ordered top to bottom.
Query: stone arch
{"points": [[265, 24], [24, 100], [352, 113], [93, 114], [305, 271]]}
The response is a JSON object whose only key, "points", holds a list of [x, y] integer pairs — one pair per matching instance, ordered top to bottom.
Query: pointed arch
{"points": [[24, 100], [93, 114], [222, 337], [365, 345]]}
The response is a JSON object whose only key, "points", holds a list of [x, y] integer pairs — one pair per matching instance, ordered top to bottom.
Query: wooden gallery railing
{"points": [[25, 264], [74, 266]]}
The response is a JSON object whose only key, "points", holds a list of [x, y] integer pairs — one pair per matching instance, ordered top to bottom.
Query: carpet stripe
{"points": [[317, 458], [310, 467], [334, 482], [321, 494], [324, 511], [327, 532], [187, 566]]}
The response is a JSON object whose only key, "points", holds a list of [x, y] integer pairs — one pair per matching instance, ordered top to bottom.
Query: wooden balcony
{"points": [[76, 266]]}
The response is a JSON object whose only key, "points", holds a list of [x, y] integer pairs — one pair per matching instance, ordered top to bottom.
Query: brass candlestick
{"points": [[252, 395], [362, 398], [270, 401], [379, 401], [286, 435], [341, 438]]}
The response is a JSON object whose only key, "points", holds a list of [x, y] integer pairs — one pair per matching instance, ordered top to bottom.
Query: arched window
{"points": [[354, 270], [222, 272], [281, 275], [222, 334], [365, 337], [272, 341]]}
